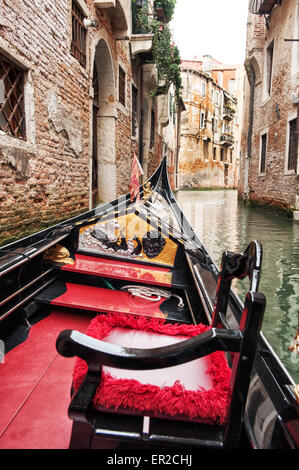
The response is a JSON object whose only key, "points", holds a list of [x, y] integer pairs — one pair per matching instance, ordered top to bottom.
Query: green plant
{"points": [[168, 7], [166, 55]]}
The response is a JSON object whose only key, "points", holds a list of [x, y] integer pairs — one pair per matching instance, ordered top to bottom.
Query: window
{"points": [[78, 45], [269, 65], [220, 78], [121, 86], [232, 86], [203, 88], [212, 94], [217, 98], [134, 110], [172, 110], [12, 114], [202, 119], [153, 124], [292, 146], [206, 150], [215, 153], [263, 153], [221, 154], [231, 156]]}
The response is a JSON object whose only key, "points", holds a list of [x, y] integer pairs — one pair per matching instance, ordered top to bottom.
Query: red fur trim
{"points": [[210, 405]]}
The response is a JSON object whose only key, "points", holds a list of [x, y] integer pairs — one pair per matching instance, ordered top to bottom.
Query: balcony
{"points": [[105, 3], [262, 6], [119, 11], [141, 38], [141, 43], [228, 113], [227, 139]]}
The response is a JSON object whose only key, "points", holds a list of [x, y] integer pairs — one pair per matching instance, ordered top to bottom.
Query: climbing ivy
{"points": [[166, 55]]}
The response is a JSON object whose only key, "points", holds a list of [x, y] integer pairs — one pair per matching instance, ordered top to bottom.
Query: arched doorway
{"points": [[95, 109], [103, 126]]}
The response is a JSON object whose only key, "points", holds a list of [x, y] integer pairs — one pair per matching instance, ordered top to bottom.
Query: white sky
{"points": [[214, 27]]}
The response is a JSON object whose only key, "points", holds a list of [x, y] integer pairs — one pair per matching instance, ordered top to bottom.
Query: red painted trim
{"points": [[120, 270], [102, 300]]}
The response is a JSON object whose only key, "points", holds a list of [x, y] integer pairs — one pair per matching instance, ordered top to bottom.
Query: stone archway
{"points": [[104, 121]]}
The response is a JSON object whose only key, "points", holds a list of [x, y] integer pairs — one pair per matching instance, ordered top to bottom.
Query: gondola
{"points": [[118, 331]]}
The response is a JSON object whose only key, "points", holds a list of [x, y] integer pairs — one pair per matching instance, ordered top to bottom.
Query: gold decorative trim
{"points": [[147, 191], [58, 254]]}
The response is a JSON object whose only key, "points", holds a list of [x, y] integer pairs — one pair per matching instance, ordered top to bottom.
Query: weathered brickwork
{"points": [[46, 177], [52, 181], [277, 185]]}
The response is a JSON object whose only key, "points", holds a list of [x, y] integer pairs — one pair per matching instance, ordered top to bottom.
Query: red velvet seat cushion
{"points": [[197, 390]]}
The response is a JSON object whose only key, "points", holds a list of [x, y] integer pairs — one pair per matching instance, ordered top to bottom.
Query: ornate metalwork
{"points": [[255, 5], [147, 191], [58, 254]]}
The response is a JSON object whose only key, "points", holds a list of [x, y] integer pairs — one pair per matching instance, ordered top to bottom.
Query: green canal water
{"points": [[222, 222]]}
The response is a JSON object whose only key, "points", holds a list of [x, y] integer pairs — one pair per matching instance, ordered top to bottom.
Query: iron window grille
{"points": [[78, 45], [122, 86], [12, 114], [293, 146]]}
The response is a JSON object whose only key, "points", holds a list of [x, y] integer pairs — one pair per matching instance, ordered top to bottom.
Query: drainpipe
{"points": [[141, 118], [250, 130]]}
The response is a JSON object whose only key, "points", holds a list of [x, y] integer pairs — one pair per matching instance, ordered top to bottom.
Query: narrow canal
{"points": [[222, 222]]}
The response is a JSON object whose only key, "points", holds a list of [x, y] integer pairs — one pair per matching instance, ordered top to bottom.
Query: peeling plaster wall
{"points": [[65, 122]]}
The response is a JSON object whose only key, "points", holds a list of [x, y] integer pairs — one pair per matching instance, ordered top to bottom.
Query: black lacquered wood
{"points": [[236, 265], [96, 353]]}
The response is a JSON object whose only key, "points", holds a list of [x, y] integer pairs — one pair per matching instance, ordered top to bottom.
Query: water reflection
{"points": [[222, 222]]}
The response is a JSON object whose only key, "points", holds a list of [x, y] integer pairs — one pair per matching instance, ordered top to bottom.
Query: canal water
{"points": [[223, 222]]}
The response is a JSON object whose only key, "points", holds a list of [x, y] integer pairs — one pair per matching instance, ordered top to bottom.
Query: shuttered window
{"points": [[78, 45], [122, 86], [134, 110], [12, 115], [153, 125], [293, 146], [263, 153]]}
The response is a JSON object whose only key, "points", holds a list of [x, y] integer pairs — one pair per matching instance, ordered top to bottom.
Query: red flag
{"points": [[134, 181]]}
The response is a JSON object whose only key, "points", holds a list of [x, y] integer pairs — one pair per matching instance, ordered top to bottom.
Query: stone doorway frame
{"points": [[106, 121]]}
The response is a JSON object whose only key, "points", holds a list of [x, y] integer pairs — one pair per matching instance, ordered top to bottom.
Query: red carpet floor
{"points": [[35, 387]]}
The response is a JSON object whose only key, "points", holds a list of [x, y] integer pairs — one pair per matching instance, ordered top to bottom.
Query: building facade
{"points": [[75, 105], [210, 137], [269, 163]]}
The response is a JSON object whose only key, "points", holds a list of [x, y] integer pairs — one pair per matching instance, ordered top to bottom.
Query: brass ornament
{"points": [[147, 191], [58, 254]]}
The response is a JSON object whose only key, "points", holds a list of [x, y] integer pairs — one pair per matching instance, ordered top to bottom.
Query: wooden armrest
{"points": [[98, 353]]}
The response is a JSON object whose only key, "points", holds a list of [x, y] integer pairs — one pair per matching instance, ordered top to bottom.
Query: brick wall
{"points": [[46, 178], [276, 187]]}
